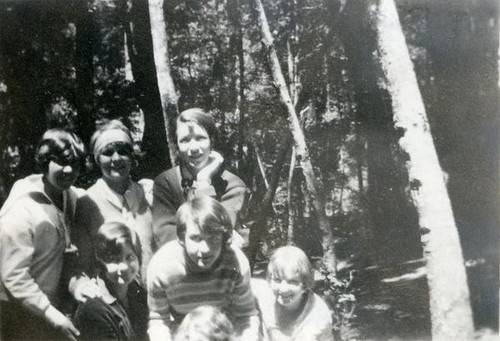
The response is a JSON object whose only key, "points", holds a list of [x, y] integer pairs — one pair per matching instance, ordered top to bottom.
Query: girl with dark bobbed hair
{"points": [[200, 172], [35, 237], [122, 311]]}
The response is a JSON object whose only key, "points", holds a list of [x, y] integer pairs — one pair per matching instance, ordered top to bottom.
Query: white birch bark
{"points": [[165, 81], [301, 149], [451, 313]]}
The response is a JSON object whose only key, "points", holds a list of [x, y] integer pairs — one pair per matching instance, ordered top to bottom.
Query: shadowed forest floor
{"points": [[392, 302]]}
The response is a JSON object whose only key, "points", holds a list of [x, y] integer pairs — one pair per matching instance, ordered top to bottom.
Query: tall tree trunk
{"points": [[140, 47], [165, 80], [299, 140], [289, 197], [264, 206], [451, 314]]}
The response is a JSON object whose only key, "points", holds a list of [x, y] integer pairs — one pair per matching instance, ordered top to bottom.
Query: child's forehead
{"points": [[194, 228], [287, 272]]}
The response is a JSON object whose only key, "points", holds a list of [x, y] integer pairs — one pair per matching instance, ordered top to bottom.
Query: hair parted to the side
{"points": [[201, 118], [60, 146], [208, 214], [110, 241], [293, 259], [207, 322]]}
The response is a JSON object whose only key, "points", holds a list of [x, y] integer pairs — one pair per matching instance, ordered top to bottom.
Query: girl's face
{"points": [[194, 145], [116, 161], [63, 175], [203, 248], [122, 269], [288, 289]]}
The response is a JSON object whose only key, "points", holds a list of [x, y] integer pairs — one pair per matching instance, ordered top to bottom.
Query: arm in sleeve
{"points": [[163, 211], [16, 251], [159, 308], [243, 310], [95, 323]]}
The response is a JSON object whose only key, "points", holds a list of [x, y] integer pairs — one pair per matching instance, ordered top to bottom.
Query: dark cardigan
{"points": [[97, 320]]}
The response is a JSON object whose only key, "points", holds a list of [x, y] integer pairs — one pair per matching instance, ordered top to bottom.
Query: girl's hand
{"points": [[212, 167], [60, 322]]}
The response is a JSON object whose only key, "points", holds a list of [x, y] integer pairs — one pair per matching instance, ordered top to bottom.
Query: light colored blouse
{"points": [[105, 205], [314, 323]]}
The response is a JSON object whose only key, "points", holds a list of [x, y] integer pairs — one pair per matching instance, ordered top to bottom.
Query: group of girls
{"points": [[73, 262]]}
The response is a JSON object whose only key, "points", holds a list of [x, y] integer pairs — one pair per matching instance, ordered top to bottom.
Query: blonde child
{"points": [[290, 310]]}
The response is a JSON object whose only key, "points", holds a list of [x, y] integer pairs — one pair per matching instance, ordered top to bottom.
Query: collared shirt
{"points": [[105, 205]]}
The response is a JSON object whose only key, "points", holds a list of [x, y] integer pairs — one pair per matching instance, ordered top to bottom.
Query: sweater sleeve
{"points": [[163, 210], [16, 251], [159, 306]]}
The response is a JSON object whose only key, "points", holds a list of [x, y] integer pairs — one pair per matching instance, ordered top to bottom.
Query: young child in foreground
{"points": [[200, 268], [290, 309], [122, 312], [205, 323]]}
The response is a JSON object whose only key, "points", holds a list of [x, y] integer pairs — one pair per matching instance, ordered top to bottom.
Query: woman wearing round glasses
{"points": [[115, 196]]}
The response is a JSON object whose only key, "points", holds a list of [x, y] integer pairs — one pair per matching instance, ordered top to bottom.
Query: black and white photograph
{"points": [[249, 170]]}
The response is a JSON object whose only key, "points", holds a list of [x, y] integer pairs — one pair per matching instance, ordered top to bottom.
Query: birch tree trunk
{"points": [[165, 81], [299, 140], [451, 314]]}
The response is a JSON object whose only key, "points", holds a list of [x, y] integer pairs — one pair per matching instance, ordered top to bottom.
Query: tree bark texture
{"points": [[140, 47], [165, 81], [299, 140], [264, 206], [451, 314]]}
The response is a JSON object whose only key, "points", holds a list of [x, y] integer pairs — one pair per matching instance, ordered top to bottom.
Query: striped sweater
{"points": [[176, 286]]}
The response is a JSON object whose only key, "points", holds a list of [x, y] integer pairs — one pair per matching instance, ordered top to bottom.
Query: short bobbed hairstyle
{"points": [[201, 118], [111, 125], [60, 146], [208, 214], [110, 240], [291, 259], [208, 322]]}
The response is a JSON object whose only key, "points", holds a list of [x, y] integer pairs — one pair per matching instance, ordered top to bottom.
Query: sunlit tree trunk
{"points": [[165, 81], [299, 140], [289, 197], [451, 314]]}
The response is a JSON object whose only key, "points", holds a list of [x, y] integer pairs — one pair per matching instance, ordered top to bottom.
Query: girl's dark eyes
{"points": [[131, 257]]}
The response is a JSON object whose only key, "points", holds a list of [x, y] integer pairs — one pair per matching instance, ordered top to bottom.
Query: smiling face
{"points": [[194, 145], [115, 160], [61, 175], [203, 248], [122, 268], [288, 289]]}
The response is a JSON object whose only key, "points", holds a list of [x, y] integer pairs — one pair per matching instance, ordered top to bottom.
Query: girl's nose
{"points": [[115, 156], [203, 247], [122, 267], [284, 286]]}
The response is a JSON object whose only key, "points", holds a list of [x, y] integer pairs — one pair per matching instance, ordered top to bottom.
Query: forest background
{"points": [[78, 63]]}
